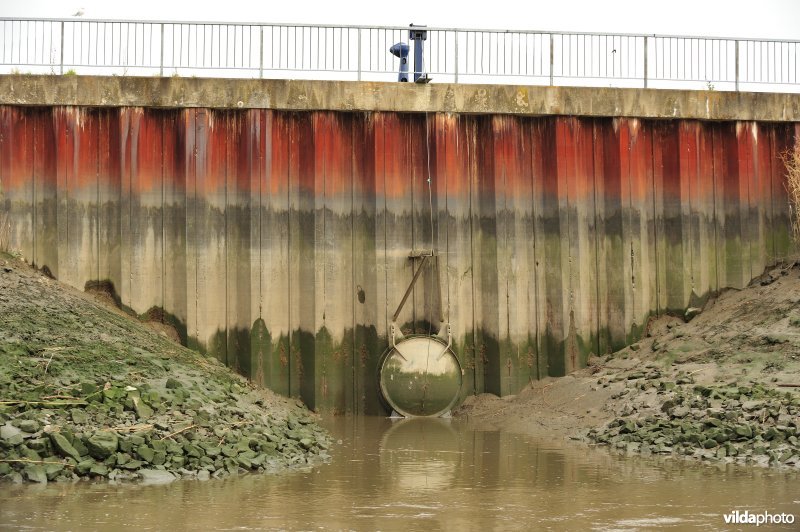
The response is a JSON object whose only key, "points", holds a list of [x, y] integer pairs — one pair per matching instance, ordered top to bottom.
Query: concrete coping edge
{"points": [[360, 96]]}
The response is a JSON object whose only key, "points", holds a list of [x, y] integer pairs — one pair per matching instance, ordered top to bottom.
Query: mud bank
{"points": [[721, 383], [87, 391]]}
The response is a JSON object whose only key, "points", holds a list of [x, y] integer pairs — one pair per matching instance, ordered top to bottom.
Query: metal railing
{"points": [[130, 47]]}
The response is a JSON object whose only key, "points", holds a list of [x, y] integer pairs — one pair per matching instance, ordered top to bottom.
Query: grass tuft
{"points": [[5, 230]]}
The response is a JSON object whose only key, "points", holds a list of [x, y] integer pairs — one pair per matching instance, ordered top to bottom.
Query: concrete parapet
{"points": [[308, 95]]}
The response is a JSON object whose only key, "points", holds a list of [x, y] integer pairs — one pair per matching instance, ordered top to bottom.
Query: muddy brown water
{"points": [[424, 474]]}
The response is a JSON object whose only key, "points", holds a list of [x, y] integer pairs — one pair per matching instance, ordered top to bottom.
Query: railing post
{"points": [[455, 33], [358, 47], [261, 53], [551, 59], [645, 61], [737, 66], [161, 67], [61, 68]]}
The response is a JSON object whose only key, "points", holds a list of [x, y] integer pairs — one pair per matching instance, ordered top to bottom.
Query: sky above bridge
{"points": [[771, 19]]}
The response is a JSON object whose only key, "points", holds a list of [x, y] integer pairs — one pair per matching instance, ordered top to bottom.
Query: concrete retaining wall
{"points": [[278, 240]]}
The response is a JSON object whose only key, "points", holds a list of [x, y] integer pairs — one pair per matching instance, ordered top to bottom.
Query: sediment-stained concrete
{"points": [[308, 95], [278, 241]]}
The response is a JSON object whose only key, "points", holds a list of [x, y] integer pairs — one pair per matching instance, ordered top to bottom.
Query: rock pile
{"points": [[88, 391], [735, 423], [124, 432]]}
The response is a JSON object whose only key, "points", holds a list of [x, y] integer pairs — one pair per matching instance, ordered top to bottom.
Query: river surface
{"points": [[424, 474]]}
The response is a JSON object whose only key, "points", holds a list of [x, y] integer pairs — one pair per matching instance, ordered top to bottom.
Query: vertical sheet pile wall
{"points": [[278, 241]]}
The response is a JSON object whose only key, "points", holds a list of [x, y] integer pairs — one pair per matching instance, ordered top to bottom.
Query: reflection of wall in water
{"points": [[420, 454]]}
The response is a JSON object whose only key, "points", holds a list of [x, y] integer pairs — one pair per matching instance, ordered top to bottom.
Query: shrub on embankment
{"points": [[791, 159], [89, 392]]}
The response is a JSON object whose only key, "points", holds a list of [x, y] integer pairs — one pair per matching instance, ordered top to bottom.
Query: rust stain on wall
{"points": [[278, 241]]}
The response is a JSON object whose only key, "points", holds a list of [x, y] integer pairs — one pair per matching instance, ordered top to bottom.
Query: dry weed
{"points": [[791, 158], [5, 232]]}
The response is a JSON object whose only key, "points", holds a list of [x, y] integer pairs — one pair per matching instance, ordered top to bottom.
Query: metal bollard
{"points": [[401, 50]]}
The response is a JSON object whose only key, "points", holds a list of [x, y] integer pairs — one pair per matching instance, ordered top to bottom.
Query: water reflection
{"points": [[420, 454], [429, 474]]}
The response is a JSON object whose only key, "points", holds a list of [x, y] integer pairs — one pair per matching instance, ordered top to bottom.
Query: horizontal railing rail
{"points": [[259, 50]]}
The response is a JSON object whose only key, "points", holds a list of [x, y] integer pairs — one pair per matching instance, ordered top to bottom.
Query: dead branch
{"points": [[45, 403], [178, 432], [26, 461]]}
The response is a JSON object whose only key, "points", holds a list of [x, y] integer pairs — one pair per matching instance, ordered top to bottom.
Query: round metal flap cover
{"points": [[420, 376]]}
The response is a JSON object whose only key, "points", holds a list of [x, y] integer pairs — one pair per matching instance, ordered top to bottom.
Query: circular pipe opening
{"points": [[420, 376]]}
